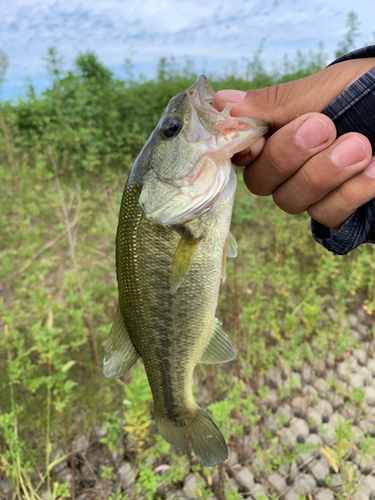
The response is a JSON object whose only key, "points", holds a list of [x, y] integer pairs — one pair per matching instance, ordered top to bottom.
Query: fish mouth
{"points": [[201, 96], [221, 134], [215, 136]]}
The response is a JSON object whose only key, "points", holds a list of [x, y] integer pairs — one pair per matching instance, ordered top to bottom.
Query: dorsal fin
{"points": [[182, 259], [218, 349], [120, 353]]}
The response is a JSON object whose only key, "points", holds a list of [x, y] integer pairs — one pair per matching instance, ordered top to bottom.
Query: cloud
{"points": [[215, 31]]}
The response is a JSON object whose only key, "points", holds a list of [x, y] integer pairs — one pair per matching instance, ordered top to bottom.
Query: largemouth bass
{"points": [[171, 247]]}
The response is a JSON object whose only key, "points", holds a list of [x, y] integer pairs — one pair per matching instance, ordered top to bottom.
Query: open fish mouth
{"points": [[222, 134], [211, 137]]}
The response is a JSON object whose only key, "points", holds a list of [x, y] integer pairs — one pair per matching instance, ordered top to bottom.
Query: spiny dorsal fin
{"points": [[230, 250], [182, 259], [218, 349], [120, 353]]}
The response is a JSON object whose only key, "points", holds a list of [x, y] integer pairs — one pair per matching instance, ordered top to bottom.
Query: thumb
{"points": [[283, 103]]}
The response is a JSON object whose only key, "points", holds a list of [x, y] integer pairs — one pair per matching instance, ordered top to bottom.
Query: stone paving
{"points": [[305, 423]]}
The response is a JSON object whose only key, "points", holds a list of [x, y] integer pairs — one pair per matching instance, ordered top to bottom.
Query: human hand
{"points": [[302, 164]]}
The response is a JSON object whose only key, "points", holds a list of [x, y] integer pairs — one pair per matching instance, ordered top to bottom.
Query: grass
{"points": [[285, 285]]}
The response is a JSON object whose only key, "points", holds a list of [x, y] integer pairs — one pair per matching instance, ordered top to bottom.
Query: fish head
{"points": [[189, 165]]}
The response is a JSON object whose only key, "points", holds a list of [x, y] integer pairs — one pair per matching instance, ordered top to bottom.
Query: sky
{"points": [[214, 34]]}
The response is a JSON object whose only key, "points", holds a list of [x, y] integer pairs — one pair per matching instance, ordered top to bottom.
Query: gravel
{"points": [[360, 355], [371, 366], [306, 374], [366, 374], [274, 378], [357, 381], [321, 385], [309, 392], [370, 395], [301, 404], [324, 407], [286, 411], [314, 417], [299, 427], [328, 432], [288, 437], [314, 439], [233, 457], [62, 465], [320, 470], [126, 475], [245, 478], [277, 481], [370, 482], [190, 485], [305, 485], [6, 487], [259, 492], [362, 493], [324, 494], [176, 495]]}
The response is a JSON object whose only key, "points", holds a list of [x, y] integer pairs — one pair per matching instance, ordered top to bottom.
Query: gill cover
{"points": [[190, 165]]}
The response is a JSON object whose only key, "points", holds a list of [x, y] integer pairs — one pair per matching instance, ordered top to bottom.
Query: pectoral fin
{"points": [[231, 246], [230, 250], [182, 259], [219, 349], [120, 353]]}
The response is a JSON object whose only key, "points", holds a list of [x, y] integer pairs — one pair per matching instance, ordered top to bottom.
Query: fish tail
{"points": [[199, 433]]}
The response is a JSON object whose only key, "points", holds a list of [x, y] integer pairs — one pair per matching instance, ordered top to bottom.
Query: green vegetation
{"points": [[64, 158]]}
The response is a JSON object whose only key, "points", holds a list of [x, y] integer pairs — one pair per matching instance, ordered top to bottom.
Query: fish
{"points": [[172, 241]]}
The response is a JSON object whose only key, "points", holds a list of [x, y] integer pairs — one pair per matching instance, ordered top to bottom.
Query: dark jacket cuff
{"points": [[352, 111]]}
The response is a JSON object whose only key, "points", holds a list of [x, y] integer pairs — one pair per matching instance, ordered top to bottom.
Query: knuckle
{"points": [[278, 95], [282, 168], [312, 181], [256, 188], [346, 198], [285, 205], [314, 212], [320, 213]]}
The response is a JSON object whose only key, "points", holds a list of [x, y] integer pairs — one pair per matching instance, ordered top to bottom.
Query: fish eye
{"points": [[170, 127]]}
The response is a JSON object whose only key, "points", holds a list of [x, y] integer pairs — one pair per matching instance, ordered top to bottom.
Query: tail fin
{"points": [[199, 433]]}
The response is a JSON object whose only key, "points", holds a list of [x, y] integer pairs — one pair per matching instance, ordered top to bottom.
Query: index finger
{"points": [[280, 104]]}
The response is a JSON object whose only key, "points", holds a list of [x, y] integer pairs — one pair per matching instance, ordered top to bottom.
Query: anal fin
{"points": [[218, 349], [120, 354]]}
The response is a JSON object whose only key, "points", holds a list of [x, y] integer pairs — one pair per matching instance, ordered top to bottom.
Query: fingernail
{"points": [[231, 95], [312, 133], [349, 152], [370, 170]]}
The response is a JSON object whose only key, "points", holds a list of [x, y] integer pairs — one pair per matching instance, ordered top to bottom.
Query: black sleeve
{"points": [[352, 111]]}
